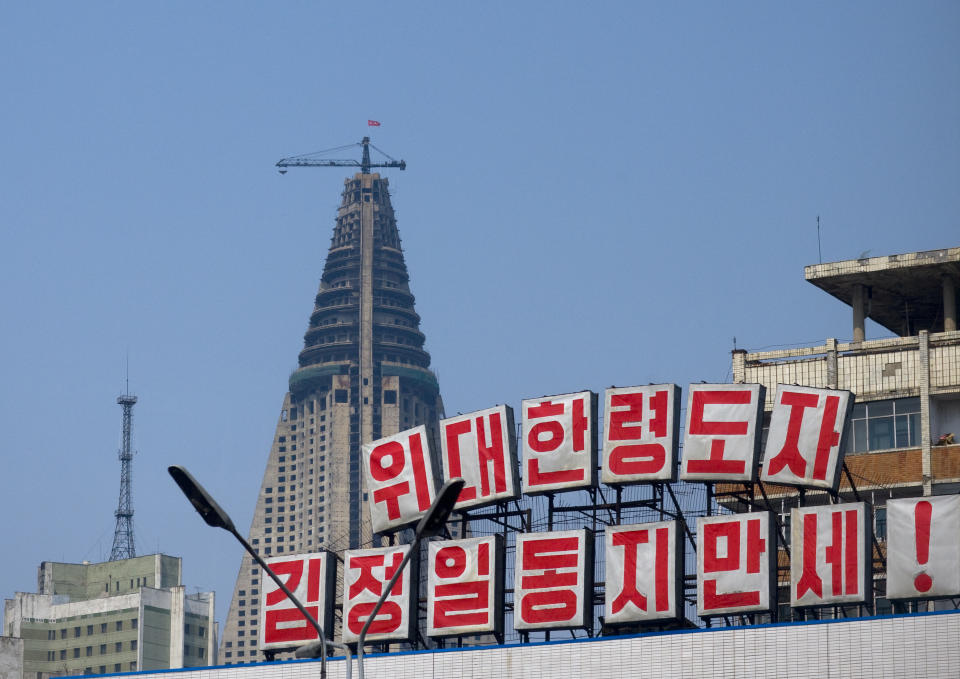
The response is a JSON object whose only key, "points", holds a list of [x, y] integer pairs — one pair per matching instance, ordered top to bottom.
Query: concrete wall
{"points": [[921, 645], [11, 658]]}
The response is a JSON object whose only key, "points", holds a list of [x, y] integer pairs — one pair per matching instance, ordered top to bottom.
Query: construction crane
{"points": [[311, 159]]}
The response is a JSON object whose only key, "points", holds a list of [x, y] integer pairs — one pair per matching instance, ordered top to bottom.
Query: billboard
{"points": [[312, 578]]}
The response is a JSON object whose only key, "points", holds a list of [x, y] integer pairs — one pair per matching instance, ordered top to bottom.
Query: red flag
{"points": [[373, 123]]}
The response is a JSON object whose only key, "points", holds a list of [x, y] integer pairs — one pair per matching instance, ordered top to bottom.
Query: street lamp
{"points": [[214, 515], [431, 524]]}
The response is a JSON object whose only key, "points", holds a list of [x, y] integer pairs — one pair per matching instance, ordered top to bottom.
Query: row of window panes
{"points": [[884, 425], [52, 634], [117, 648]]}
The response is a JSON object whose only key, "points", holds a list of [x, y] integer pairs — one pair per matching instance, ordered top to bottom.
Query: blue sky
{"points": [[596, 194]]}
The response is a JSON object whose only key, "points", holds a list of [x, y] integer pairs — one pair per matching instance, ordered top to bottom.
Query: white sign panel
{"points": [[641, 433], [722, 437], [805, 440], [559, 442], [481, 447], [399, 478], [830, 555], [923, 556], [736, 567], [643, 573], [365, 574], [312, 578], [553, 580], [465, 587]]}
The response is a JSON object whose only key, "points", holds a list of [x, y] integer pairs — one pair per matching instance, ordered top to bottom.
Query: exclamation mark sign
{"points": [[922, 512]]}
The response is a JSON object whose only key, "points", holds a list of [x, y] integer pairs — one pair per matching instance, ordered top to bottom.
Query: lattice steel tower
{"points": [[123, 545]]}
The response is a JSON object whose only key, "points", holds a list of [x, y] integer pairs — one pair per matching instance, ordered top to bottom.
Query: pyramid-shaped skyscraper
{"points": [[362, 374]]}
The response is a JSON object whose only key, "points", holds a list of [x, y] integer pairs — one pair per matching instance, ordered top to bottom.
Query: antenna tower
{"points": [[123, 545]]}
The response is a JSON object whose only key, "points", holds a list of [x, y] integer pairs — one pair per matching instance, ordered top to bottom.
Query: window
{"points": [[882, 425], [880, 523], [133, 623], [119, 625], [103, 628], [186, 628], [89, 630], [76, 631], [201, 631], [133, 645], [118, 647], [103, 649], [89, 651], [76, 652], [63, 654], [133, 665], [116, 667], [103, 669]]}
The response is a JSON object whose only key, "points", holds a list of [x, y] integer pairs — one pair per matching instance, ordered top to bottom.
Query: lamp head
{"points": [[205, 505], [432, 522]]}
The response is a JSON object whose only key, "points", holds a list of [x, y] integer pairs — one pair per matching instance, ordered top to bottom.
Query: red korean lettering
{"points": [[626, 425], [453, 432], [545, 437], [491, 454], [789, 455], [715, 463], [294, 570], [809, 580], [388, 619], [273, 633]]}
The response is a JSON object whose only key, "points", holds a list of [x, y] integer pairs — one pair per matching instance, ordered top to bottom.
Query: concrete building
{"points": [[363, 374], [907, 413], [116, 616]]}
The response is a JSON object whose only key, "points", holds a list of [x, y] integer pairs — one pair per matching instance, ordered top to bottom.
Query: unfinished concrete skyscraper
{"points": [[363, 374]]}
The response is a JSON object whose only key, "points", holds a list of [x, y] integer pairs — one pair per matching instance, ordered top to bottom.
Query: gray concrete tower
{"points": [[362, 374]]}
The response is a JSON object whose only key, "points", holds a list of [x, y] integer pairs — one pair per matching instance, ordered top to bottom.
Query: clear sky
{"points": [[596, 194]]}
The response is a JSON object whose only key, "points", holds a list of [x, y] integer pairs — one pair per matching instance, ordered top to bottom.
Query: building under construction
{"points": [[363, 374]]}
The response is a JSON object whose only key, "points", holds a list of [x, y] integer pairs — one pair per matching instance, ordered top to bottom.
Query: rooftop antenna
{"points": [[819, 252], [123, 543]]}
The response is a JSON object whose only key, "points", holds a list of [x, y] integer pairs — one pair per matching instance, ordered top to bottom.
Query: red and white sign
{"points": [[641, 433], [722, 436], [559, 442], [804, 443], [481, 447], [399, 478], [923, 547], [829, 557], [736, 571], [643, 573], [365, 574], [313, 579], [553, 580], [465, 587]]}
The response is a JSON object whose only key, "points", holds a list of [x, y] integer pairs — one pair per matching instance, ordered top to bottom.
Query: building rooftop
{"points": [[903, 292]]}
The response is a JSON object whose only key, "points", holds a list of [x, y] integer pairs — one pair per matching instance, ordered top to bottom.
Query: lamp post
{"points": [[214, 515], [431, 524]]}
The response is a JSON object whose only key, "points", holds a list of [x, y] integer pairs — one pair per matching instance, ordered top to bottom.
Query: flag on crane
{"points": [[373, 123]]}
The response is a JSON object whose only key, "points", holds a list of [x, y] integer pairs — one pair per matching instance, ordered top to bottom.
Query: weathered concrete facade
{"points": [[363, 374], [117, 616]]}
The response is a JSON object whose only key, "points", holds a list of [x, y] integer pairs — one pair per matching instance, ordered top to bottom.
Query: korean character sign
{"points": [[641, 434], [722, 437], [559, 442], [805, 442], [481, 447], [399, 476], [923, 547], [829, 555], [736, 563], [644, 573], [365, 574], [313, 579], [553, 580], [465, 587]]}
